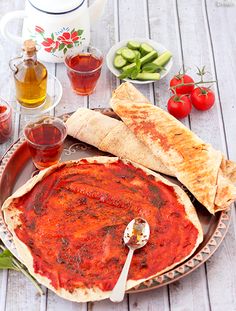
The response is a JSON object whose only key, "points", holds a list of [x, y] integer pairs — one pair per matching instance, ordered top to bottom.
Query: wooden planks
{"points": [[133, 23], [195, 32], [168, 34], [103, 37], [194, 37], [8, 50], [223, 51], [4, 76], [221, 269], [3, 289], [183, 293], [21, 294], [152, 300], [56, 303], [108, 305]]}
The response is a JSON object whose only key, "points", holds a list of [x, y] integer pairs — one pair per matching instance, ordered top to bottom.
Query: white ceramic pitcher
{"points": [[56, 26]]}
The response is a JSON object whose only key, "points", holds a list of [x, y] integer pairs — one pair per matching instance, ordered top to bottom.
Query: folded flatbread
{"points": [[113, 136], [201, 168]]}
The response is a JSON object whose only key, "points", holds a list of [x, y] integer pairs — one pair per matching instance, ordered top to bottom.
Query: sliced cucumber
{"points": [[133, 45], [145, 48], [118, 52], [128, 54], [137, 54], [149, 57], [145, 59], [163, 59], [119, 61], [150, 67], [144, 76]]}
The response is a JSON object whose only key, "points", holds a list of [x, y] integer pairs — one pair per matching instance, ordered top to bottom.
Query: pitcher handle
{"points": [[5, 21]]}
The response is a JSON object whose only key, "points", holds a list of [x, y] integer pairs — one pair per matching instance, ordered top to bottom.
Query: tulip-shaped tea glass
{"points": [[84, 66], [45, 139]]}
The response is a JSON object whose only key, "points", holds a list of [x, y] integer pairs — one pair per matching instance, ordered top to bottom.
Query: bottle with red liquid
{"points": [[83, 68], [5, 121]]}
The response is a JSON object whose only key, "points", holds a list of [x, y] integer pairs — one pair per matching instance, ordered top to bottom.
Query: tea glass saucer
{"points": [[54, 94]]}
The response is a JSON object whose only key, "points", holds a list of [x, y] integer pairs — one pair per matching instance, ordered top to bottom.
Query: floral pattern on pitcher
{"points": [[61, 40]]}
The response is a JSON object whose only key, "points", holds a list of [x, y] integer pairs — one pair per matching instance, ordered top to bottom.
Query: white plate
{"points": [[157, 46]]}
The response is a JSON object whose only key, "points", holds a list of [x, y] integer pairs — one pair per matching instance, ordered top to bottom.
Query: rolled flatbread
{"points": [[113, 136], [201, 168]]}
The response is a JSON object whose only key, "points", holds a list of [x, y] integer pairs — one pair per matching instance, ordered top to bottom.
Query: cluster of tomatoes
{"points": [[188, 93]]}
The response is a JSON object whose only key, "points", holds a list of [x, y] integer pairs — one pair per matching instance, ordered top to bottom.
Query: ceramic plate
{"points": [[157, 46]]}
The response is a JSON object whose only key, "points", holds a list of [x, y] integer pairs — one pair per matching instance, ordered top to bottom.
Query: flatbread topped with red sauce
{"points": [[68, 222]]}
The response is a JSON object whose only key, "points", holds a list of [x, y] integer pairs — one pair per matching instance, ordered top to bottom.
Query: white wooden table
{"points": [[198, 33]]}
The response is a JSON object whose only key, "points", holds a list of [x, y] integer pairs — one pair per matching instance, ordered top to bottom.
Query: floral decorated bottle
{"points": [[30, 77]]}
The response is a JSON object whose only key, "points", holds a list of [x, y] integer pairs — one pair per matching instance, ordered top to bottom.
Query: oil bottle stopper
{"points": [[29, 47]]}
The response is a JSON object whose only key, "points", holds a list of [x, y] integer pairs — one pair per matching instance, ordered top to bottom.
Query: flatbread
{"points": [[113, 136], [196, 164], [228, 169], [13, 218]]}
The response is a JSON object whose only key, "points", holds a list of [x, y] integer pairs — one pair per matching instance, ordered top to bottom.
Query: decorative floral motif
{"points": [[39, 29], [69, 38], [66, 40], [50, 45], [76, 147]]}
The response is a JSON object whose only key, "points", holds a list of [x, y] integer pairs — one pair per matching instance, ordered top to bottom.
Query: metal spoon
{"points": [[136, 236]]}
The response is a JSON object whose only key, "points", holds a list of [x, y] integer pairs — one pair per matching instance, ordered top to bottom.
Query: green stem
{"points": [[192, 83], [17, 266], [28, 275]]}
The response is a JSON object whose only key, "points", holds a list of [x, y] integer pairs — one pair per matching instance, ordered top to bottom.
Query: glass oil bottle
{"points": [[30, 77]]}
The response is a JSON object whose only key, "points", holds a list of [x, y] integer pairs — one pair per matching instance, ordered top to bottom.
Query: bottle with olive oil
{"points": [[30, 77]]}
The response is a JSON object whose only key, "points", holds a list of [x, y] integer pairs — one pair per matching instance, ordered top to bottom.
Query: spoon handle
{"points": [[118, 291]]}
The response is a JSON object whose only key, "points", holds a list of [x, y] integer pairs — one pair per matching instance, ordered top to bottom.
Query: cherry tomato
{"points": [[184, 89], [202, 98], [179, 106]]}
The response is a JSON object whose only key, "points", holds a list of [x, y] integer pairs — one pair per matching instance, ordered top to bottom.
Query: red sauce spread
{"points": [[142, 124], [148, 127], [73, 223]]}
